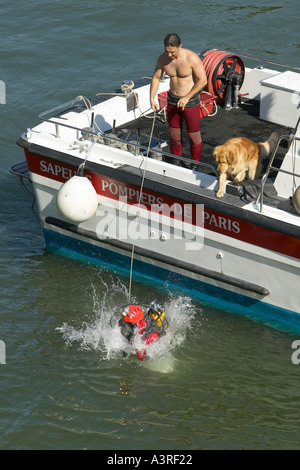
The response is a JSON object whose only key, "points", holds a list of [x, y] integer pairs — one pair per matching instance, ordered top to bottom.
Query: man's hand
{"points": [[155, 85], [182, 103], [154, 105]]}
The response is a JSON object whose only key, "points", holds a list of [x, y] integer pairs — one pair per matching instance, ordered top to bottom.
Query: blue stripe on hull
{"points": [[208, 294]]}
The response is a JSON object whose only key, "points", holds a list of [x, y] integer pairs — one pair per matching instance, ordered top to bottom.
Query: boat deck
{"points": [[243, 121], [222, 125], [215, 130]]}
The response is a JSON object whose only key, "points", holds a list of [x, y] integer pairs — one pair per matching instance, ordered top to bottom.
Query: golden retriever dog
{"points": [[240, 158]]}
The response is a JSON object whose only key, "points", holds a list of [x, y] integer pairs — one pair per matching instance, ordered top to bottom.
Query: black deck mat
{"points": [[215, 130]]}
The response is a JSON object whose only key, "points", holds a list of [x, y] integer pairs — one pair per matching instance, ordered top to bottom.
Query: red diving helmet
{"points": [[133, 314]]}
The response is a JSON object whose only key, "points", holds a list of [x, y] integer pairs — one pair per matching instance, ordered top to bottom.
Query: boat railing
{"points": [[267, 61], [102, 137], [289, 138], [21, 170]]}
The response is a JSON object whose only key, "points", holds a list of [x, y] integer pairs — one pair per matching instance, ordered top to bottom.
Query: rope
{"points": [[202, 105], [81, 167], [139, 202]]}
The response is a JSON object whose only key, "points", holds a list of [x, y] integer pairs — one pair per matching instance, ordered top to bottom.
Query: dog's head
{"points": [[224, 156]]}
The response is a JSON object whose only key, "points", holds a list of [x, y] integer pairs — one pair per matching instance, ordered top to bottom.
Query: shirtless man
{"points": [[187, 78]]}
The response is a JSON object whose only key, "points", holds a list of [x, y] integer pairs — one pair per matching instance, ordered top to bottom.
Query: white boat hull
{"points": [[220, 270]]}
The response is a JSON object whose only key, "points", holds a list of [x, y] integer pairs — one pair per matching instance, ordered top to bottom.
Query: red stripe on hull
{"points": [[230, 226]]}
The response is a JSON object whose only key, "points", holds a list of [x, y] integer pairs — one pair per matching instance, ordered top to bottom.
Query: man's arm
{"points": [[201, 80], [154, 85]]}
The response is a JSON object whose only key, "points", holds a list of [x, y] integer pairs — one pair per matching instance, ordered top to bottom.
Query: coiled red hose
{"points": [[217, 66]]}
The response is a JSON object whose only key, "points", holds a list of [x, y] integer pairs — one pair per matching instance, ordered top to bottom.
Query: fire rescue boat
{"points": [[107, 187]]}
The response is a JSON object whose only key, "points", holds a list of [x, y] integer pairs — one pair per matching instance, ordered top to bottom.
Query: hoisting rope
{"points": [[89, 107], [139, 202]]}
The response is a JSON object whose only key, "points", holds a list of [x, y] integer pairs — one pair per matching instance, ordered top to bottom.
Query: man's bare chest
{"points": [[179, 70]]}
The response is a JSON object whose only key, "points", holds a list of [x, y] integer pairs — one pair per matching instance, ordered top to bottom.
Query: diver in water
{"points": [[151, 326]]}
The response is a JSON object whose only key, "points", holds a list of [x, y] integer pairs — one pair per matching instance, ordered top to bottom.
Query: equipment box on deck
{"points": [[280, 98]]}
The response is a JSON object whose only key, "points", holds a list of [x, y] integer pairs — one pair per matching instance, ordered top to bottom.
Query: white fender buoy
{"points": [[77, 199], [296, 199]]}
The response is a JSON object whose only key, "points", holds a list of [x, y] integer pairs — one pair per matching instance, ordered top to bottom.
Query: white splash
{"points": [[101, 332]]}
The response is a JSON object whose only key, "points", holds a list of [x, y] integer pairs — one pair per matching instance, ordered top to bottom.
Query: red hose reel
{"points": [[225, 75]]}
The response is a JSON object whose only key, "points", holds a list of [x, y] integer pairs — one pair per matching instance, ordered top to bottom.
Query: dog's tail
{"points": [[267, 147]]}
